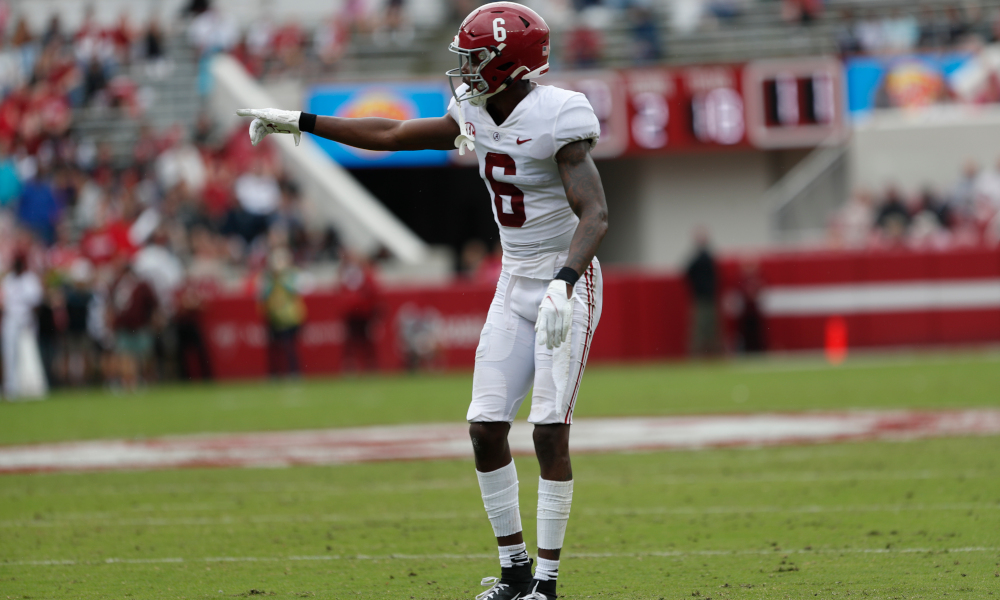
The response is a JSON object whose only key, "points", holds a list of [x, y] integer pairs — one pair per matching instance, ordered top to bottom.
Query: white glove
{"points": [[272, 120], [555, 316]]}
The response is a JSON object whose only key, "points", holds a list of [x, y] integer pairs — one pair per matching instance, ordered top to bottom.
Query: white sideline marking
{"points": [[861, 298], [408, 442], [113, 520], [578, 555]]}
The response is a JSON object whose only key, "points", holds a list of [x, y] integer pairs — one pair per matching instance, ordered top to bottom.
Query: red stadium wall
{"points": [[901, 298], [885, 299], [449, 319]]}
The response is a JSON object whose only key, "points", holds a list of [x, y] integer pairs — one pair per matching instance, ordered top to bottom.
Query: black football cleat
{"points": [[515, 583], [542, 590]]}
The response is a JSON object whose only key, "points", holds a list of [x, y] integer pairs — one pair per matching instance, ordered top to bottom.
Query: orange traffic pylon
{"points": [[836, 340]]}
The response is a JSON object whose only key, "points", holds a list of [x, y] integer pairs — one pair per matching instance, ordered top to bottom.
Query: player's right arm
{"points": [[370, 133]]}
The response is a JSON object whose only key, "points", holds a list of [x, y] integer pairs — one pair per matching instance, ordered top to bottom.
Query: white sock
{"points": [[499, 489], [554, 500], [516, 555], [547, 570]]}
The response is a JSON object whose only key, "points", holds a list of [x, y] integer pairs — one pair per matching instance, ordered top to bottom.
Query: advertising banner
{"points": [[909, 81], [400, 101]]}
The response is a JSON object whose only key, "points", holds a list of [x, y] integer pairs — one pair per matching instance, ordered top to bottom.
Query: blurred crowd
{"points": [[900, 31], [288, 46], [267, 47], [45, 74], [967, 214], [109, 263]]}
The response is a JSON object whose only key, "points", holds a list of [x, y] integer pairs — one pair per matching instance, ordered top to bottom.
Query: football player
{"points": [[533, 143]]}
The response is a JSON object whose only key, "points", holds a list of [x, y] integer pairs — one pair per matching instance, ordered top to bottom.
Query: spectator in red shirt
{"points": [[121, 37], [287, 42], [584, 47], [53, 110], [11, 112], [218, 193], [108, 240], [360, 292], [133, 307]]}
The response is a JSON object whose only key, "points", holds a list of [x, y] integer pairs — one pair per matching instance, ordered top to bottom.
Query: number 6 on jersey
{"points": [[516, 217]]}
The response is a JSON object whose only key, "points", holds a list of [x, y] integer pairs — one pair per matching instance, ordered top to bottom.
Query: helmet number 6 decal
{"points": [[499, 33]]}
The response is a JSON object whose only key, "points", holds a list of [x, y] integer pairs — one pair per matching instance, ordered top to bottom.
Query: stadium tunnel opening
{"points": [[447, 206]]}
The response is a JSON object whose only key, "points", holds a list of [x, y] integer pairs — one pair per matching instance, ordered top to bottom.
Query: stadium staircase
{"points": [[169, 98], [802, 201]]}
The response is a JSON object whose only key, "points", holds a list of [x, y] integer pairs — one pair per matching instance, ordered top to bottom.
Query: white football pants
{"points": [[509, 362]]}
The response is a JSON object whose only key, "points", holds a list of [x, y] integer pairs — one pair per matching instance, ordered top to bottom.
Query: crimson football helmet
{"points": [[498, 44]]}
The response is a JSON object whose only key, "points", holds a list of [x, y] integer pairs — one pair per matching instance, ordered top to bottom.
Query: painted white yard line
{"points": [[409, 442], [115, 520], [445, 556]]}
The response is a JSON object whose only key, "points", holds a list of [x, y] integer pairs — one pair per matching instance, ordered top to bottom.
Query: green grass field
{"points": [[865, 520]]}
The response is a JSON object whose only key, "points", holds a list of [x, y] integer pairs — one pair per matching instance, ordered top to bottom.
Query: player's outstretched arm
{"points": [[367, 133], [373, 133], [586, 197]]}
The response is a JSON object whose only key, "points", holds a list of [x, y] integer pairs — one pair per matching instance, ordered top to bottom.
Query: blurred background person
{"points": [[893, 218], [702, 276], [359, 288], [21, 289], [133, 308], [284, 311], [50, 323], [750, 325], [191, 347], [77, 348]]}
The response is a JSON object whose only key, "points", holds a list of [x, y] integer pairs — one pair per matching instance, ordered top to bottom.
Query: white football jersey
{"points": [[517, 160]]}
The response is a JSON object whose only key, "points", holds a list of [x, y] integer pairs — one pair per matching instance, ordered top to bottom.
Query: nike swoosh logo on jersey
{"points": [[520, 141]]}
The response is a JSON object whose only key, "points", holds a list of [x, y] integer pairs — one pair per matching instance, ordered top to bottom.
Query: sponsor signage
{"points": [[910, 81], [399, 101]]}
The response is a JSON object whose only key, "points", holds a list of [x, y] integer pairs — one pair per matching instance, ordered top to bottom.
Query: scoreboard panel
{"points": [[767, 104]]}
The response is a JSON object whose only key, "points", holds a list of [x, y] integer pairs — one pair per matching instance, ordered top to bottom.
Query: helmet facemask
{"points": [[471, 63]]}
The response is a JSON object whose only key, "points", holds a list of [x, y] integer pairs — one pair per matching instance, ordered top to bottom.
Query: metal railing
{"points": [[802, 202]]}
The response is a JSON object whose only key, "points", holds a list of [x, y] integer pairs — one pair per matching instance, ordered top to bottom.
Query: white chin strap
{"points": [[481, 100], [464, 141]]}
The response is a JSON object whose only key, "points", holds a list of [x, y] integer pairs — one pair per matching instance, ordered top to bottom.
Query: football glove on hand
{"points": [[272, 120], [555, 316]]}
